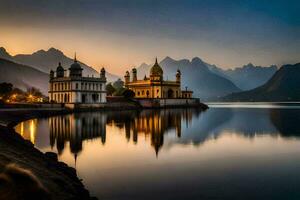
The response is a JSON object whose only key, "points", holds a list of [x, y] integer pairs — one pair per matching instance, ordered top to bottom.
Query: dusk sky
{"points": [[120, 34]]}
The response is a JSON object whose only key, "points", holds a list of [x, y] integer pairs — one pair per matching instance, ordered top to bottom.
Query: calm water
{"points": [[227, 152]]}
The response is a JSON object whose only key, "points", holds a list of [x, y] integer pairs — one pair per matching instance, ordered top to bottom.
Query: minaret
{"points": [[102, 73], [134, 75], [178, 76], [127, 77]]}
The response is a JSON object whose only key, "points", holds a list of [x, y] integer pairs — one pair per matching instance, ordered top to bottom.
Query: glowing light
{"points": [[22, 129], [32, 131]]}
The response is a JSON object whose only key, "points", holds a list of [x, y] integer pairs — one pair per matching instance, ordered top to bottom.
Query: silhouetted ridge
{"points": [[23, 76], [283, 86]]}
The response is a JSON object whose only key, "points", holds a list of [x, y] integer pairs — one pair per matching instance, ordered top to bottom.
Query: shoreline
{"points": [[57, 177], [60, 179]]}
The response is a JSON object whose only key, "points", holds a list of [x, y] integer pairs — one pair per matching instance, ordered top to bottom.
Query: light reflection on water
{"points": [[223, 153]]}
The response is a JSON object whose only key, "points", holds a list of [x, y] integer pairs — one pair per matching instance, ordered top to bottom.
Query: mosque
{"points": [[155, 86], [74, 88]]}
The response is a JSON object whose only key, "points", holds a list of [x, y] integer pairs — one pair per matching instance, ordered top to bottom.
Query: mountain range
{"points": [[46, 60], [23, 76], [246, 77], [208, 81], [283, 86]]}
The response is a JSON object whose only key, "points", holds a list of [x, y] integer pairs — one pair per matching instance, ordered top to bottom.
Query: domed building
{"points": [[155, 86], [74, 88]]}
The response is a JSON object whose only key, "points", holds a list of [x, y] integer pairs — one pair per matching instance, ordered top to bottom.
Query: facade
{"points": [[154, 86], [75, 88], [186, 94]]}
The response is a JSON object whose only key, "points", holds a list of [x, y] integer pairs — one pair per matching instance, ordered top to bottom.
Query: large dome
{"points": [[75, 65], [75, 69], [156, 69]]}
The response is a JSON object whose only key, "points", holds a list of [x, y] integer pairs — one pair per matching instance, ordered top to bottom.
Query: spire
{"points": [[75, 59], [156, 60], [59, 64]]}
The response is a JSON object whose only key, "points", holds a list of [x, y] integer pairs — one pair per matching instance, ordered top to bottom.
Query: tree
{"points": [[119, 84], [5, 89], [110, 89], [128, 93]]}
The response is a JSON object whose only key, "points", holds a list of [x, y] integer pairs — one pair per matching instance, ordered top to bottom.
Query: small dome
{"points": [[59, 68], [103, 69], [156, 69], [134, 70], [178, 72], [127, 73]]}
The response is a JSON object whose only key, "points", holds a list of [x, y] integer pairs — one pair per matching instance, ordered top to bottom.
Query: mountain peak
{"points": [[54, 50], [4, 54], [168, 59], [197, 60], [249, 65]]}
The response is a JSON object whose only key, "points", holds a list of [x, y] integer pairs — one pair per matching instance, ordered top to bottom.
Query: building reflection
{"points": [[153, 124], [75, 129], [27, 130], [70, 131]]}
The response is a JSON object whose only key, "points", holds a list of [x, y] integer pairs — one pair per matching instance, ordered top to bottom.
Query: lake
{"points": [[230, 151]]}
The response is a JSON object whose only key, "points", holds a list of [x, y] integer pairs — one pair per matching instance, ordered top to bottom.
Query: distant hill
{"points": [[47, 60], [195, 75], [23, 76], [246, 77], [283, 86]]}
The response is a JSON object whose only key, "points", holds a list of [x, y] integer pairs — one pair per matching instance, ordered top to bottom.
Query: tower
{"points": [[102, 73], [134, 75], [178, 76], [127, 77]]}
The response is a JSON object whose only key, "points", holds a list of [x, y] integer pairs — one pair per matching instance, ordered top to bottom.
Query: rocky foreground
{"points": [[59, 179]]}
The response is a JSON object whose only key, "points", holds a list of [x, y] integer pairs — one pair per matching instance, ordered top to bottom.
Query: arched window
{"points": [[142, 92], [138, 93]]}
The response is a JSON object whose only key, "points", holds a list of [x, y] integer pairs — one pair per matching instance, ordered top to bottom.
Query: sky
{"points": [[119, 34]]}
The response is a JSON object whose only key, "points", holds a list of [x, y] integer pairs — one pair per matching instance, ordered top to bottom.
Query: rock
{"points": [[52, 156]]}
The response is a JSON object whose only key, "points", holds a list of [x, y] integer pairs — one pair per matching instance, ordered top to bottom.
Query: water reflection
{"points": [[152, 123], [188, 125], [75, 129], [28, 130], [230, 153]]}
